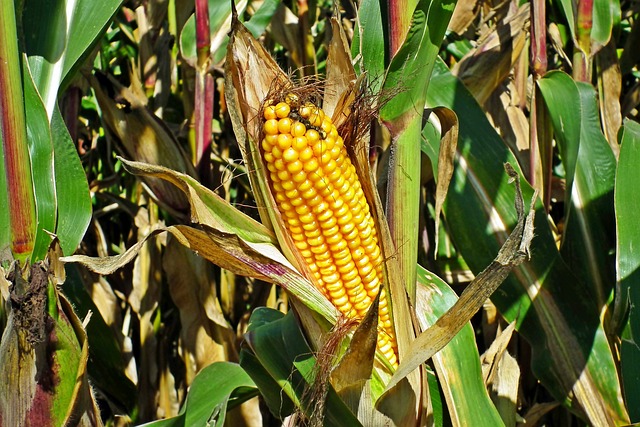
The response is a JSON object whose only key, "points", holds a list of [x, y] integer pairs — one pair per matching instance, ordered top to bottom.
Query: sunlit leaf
{"points": [[59, 36], [408, 79], [42, 167], [590, 167], [72, 190], [627, 206], [514, 251], [570, 349], [457, 364]]}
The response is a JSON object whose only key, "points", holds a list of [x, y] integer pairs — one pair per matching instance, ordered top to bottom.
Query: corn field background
{"points": [[142, 284]]}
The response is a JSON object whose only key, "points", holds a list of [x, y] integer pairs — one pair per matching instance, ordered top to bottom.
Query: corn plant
{"points": [[46, 210], [381, 213]]}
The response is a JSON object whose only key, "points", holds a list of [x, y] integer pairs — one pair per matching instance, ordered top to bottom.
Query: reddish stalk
{"points": [[399, 14], [582, 51], [539, 66], [203, 113], [22, 212]]}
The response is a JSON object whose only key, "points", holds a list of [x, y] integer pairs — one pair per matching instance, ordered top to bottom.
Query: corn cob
{"points": [[325, 211]]}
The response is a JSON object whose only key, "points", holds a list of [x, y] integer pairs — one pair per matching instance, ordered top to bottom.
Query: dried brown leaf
{"points": [[463, 16], [484, 68], [340, 72], [609, 89], [141, 136], [448, 144], [207, 208], [258, 260], [205, 335], [495, 351], [356, 365], [504, 388], [537, 412]]}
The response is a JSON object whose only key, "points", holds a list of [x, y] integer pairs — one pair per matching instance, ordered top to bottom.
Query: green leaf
{"points": [[568, 8], [604, 15], [261, 19], [219, 23], [58, 36], [368, 45], [412, 65], [41, 154], [72, 189], [62, 193], [627, 206], [588, 238], [552, 311], [278, 353], [67, 362], [458, 364], [210, 395], [437, 399]]}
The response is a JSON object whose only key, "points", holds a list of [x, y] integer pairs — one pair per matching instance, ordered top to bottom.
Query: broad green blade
{"points": [[606, 13], [262, 17], [59, 37], [41, 153], [72, 189], [62, 193], [627, 205], [588, 239], [559, 319], [276, 342], [458, 364], [216, 388]]}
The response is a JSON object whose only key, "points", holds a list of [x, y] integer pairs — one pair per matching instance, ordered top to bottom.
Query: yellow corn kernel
{"points": [[326, 213]]}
